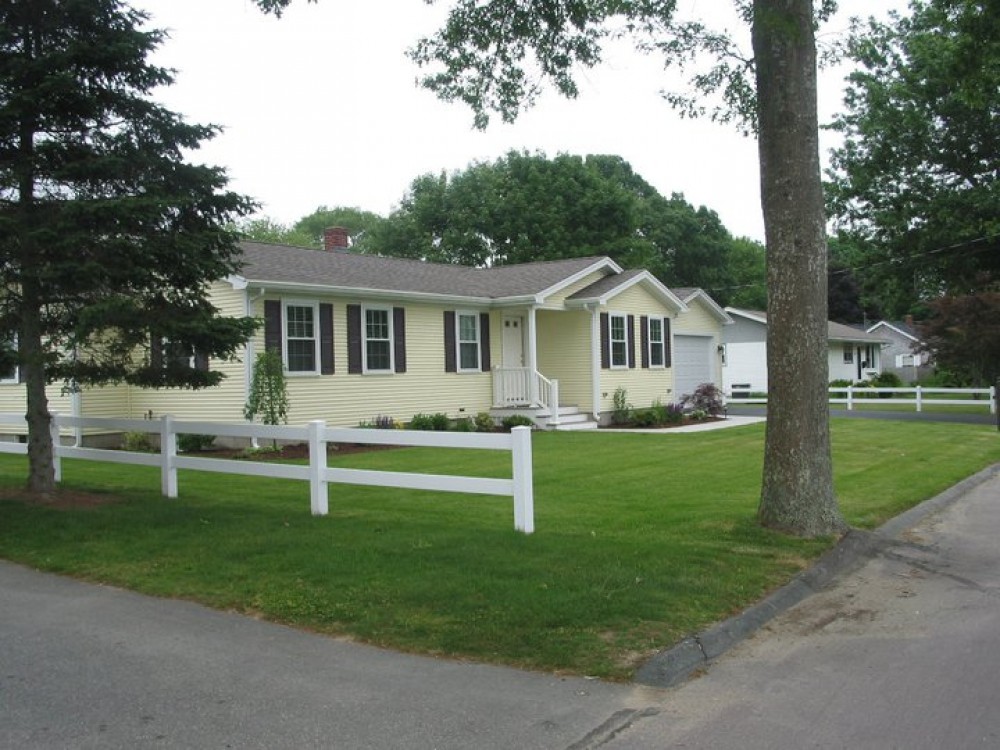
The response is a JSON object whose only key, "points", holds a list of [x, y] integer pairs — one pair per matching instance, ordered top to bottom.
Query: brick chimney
{"points": [[336, 238]]}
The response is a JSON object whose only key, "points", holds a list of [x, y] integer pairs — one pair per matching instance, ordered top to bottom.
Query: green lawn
{"points": [[641, 539]]}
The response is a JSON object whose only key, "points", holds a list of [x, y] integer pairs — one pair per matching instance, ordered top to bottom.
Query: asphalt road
{"points": [[904, 653]]}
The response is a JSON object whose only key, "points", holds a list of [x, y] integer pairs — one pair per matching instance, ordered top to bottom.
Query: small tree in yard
{"points": [[268, 398]]}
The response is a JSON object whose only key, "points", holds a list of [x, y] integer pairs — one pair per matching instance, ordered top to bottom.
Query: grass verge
{"points": [[641, 539]]}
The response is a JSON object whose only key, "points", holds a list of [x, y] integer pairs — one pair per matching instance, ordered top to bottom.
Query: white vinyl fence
{"points": [[917, 397], [317, 473]]}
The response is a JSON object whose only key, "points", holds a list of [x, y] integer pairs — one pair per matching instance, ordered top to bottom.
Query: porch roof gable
{"points": [[602, 290]]}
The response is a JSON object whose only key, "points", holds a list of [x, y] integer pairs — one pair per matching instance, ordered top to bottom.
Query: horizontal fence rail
{"points": [[917, 396], [317, 435]]}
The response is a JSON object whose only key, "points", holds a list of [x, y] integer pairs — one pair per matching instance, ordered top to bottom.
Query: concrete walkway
{"points": [[904, 652]]}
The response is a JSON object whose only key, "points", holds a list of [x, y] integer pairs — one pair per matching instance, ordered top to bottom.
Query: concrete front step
{"points": [[589, 424]]}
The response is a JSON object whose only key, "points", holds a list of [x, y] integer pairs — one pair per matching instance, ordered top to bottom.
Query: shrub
{"points": [[887, 380], [840, 383], [707, 398], [622, 411], [674, 414], [699, 414], [645, 417], [517, 420], [380, 422], [437, 422], [484, 422], [465, 424], [137, 442], [188, 443]]}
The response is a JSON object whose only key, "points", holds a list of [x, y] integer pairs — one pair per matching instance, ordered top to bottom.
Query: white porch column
{"points": [[532, 356], [595, 361]]}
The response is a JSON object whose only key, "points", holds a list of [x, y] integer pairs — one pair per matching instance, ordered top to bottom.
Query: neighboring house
{"points": [[363, 336], [698, 342], [854, 354], [899, 355]]}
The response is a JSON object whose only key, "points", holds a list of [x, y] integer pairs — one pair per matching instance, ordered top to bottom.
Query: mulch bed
{"points": [[686, 421]]}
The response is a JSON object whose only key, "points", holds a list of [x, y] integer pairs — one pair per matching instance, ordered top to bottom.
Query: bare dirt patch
{"points": [[61, 499]]}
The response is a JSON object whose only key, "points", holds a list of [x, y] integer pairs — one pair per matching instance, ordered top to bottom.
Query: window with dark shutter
{"points": [[272, 324], [399, 338], [484, 340], [631, 341], [666, 342], [450, 356], [326, 365], [354, 365]]}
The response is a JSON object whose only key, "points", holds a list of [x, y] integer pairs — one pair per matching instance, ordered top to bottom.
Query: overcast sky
{"points": [[320, 107]]}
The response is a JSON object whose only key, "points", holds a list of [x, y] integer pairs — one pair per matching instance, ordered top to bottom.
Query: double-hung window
{"points": [[301, 337], [378, 339], [619, 340], [468, 342], [848, 354], [657, 356]]}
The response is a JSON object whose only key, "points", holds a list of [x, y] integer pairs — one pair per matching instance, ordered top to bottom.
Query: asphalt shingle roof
{"points": [[283, 264]]}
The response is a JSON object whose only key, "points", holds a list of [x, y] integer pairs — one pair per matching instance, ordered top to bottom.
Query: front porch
{"points": [[526, 392]]}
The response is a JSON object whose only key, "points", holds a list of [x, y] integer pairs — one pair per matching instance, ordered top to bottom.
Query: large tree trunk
{"points": [[797, 494]]}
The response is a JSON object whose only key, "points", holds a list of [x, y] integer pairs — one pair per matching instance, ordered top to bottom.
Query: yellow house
{"points": [[364, 336]]}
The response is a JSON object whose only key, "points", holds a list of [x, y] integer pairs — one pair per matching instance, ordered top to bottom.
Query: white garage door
{"points": [[692, 364]]}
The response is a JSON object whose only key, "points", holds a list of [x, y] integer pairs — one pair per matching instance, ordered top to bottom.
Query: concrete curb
{"points": [[674, 665]]}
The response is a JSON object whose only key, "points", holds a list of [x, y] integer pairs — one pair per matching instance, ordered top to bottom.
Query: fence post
{"points": [[850, 398], [993, 400], [920, 405], [56, 442], [168, 452], [318, 498], [524, 499]]}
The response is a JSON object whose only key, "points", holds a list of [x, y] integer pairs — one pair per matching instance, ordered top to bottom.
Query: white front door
{"points": [[513, 341]]}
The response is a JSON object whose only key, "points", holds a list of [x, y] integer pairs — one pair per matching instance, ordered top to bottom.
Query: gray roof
{"points": [[283, 264], [608, 284], [683, 292], [835, 331]]}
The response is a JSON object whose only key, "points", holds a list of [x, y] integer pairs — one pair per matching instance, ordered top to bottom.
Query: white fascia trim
{"points": [[598, 265], [238, 282], [379, 294], [666, 296], [717, 311], [747, 315], [892, 327]]}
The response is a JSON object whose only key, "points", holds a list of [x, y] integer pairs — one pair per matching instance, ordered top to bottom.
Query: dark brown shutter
{"points": [[272, 325], [644, 335], [326, 338], [399, 338], [354, 339], [484, 340], [605, 342], [630, 343], [667, 343], [156, 352], [450, 356], [200, 361]]}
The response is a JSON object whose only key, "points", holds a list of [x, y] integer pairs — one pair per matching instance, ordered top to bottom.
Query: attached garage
{"points": [[693, 356]]}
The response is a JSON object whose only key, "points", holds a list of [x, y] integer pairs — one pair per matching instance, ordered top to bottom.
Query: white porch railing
{"points": [[522, 386], [316, 473]]}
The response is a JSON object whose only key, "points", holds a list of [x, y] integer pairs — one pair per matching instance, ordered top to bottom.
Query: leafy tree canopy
{"points": [[916, 179], [526, 207], [108, 238], [963, 335]]}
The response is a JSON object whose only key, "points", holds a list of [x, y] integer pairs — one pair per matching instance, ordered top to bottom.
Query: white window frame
{"points": [[459, 314], [285, 337], [364, 340], [612, 340], [661, 343], [848, 354], [15, 377]]}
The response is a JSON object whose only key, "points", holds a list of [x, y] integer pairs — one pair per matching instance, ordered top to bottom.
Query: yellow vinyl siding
{"points": [[564, 353], [644, 385], [345, 399], [13, 400], [222, 403]]}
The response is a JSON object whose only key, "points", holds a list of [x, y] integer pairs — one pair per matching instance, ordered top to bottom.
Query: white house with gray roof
{"points": [[363, 336], [854, 354]]}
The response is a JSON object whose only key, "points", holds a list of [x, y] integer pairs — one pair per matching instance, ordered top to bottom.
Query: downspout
{"points": [[595, 361]]}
